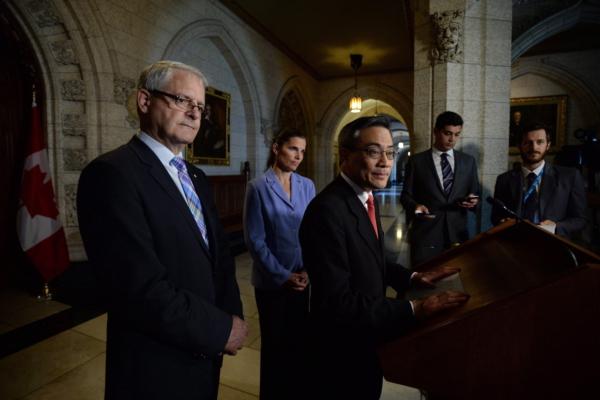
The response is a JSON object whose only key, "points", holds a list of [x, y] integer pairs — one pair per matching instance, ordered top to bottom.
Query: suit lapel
{"points": [[458, 166], [433, 172], [162, 178], [547, 188], [277, 189], [516, 189], [203, 195], [295, 200], [363, 223], [381, 234]]}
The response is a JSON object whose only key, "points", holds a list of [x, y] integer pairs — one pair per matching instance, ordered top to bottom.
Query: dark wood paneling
{"points": [[229, 192], [530, 330]]}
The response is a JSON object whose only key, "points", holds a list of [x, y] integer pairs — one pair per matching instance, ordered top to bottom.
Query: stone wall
{"points": [[91, 53], [573, 74]]}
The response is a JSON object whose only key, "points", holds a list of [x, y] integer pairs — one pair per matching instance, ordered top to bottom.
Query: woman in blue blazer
{"points": [[275, 205]]}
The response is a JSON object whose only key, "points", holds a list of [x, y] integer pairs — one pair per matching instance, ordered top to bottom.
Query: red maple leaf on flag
{"points": [[36, 194]]}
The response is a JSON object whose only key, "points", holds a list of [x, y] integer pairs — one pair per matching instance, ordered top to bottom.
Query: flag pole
{"points": [[46, 294]]}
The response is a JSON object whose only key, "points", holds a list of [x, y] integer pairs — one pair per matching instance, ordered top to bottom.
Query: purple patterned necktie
{"points": [[447, 176], [192, 199]]}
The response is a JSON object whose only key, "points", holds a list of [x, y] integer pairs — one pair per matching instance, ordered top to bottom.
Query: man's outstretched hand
{"points": [[427, 279]]}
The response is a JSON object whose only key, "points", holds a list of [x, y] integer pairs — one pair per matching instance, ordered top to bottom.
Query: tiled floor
{"points": [[18, 308], [70, 365]]}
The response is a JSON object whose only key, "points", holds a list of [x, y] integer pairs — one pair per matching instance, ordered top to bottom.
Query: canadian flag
{"points": [[39, 229]]}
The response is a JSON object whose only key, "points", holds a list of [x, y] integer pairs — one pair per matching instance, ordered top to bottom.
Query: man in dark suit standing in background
{"points": [[441, 185], [550, 196], [152, 235], [342, 247]]}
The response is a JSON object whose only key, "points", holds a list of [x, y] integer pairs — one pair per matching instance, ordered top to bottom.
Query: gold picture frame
{"points": [[548, 110], [212, 143]]}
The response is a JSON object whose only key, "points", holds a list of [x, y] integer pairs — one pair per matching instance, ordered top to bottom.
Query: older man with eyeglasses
{"points": [[151, 232], [342, 247]]}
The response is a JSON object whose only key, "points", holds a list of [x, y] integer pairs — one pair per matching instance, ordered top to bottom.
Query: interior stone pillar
{"points": [[462, 60]]}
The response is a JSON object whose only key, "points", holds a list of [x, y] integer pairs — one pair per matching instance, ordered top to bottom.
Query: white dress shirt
{"points": [[165, 156], [362, 194]]}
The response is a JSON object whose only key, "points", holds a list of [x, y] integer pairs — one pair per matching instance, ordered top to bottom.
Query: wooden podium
{"points": [[531, 329]]}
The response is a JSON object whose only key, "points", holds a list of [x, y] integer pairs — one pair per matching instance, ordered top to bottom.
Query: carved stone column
{"points": [[462, 63]]}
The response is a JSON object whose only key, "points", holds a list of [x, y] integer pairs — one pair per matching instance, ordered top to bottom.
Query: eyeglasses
{"points": [[182, 103], [375, 154]]}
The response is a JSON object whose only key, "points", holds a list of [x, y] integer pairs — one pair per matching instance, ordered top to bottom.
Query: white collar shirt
{"points": [[165, 156], [363, 195]]}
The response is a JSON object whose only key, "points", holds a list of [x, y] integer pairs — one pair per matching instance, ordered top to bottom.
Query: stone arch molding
{"points": [[580, 12], [215, 31], [75, 76], [294, 84], [380, 91], [588, 101], [339, 107]]}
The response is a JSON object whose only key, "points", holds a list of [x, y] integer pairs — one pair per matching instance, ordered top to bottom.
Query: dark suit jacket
{"points": [[562, 197], [429, 237], [170, 300], [349, 311]]}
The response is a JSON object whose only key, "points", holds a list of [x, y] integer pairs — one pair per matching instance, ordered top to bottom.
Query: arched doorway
{"points": [[292, 116], [400, 134], [391, 212]]}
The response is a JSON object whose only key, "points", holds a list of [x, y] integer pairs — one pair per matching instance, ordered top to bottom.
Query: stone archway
{"points": [[580, 12], [215, 31], [76, 75], [587, 101], [338, 108], [293, 111]]}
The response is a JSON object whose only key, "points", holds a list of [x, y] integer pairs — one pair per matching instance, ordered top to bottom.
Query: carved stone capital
{"points": [[44, 13], [448, 36], [64, 52], [123, 87], [73, 89], [73, 125], [74, 159], [71, 205]]}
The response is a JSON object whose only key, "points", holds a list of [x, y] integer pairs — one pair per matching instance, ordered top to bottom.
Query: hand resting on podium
{"points": [[430, 305]]}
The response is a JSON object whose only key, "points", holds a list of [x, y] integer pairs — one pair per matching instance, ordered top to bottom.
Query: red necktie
{"points": [[371, 211]]}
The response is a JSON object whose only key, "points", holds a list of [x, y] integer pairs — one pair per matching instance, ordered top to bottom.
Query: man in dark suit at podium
{"points": [[441, 185], [550, 196], [153, 237], [342, 247]]}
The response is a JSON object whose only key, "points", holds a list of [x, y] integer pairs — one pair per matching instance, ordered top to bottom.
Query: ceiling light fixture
{"points": [[355, 101]]}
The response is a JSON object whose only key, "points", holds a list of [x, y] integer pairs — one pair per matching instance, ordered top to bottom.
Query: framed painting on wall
{"points": [[548, 110], [211, 146]]}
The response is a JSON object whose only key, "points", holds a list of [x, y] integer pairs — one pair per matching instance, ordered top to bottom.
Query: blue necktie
{"points": [[447, 176], [192, 199], [530, 206]]}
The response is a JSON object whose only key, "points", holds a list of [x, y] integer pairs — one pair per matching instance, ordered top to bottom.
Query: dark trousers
{"points": [[283, 316], [342, 366]]}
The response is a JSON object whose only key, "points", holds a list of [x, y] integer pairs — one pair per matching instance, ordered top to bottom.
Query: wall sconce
{"points": [[355, 101]]}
